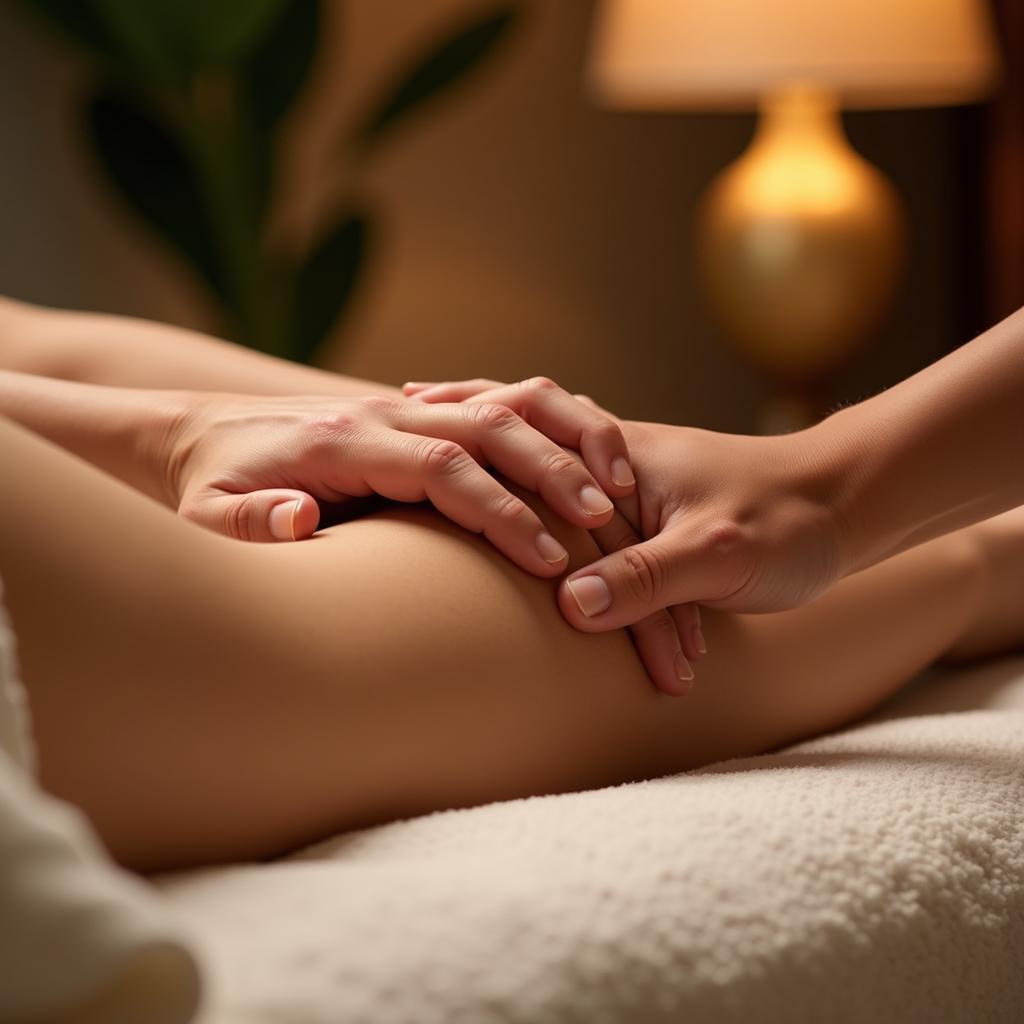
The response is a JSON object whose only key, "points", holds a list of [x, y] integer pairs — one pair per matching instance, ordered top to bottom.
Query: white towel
{"points": [[874, 875], [81, 941]]}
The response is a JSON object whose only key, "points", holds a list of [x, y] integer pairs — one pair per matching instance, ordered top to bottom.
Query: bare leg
{"points": [[102, 349], [1000, 620], [205, 699]]}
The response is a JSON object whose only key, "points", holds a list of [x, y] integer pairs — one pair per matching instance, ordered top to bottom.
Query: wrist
{"points": [[164, 435], [834, 457]]}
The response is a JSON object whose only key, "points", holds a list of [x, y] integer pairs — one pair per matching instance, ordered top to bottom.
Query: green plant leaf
{"points": [[78, 21], [225, 31], [150, 36], [167, 41], [279, 66], [439, 67], [271, 78], [152, 172], [325, 284]]}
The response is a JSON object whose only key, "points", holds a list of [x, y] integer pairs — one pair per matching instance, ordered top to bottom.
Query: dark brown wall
{"points": [[526, 230]]}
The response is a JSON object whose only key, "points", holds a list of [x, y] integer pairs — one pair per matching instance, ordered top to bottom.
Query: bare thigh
{"points": [[203, 699]]}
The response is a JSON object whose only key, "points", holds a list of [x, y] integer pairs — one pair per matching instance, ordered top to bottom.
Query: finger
{"points": [[451, 391], [556, 413], [562, 417], [514, 448], [406, 467], [272, 515], [679, 565], [691, 636], [656, 638]]}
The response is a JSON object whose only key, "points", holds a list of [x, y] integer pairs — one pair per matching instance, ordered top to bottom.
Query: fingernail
{"points": [[621, 473], [594, 502], [282, 520], [550, 550], [591, 594], [698, 639], [684, 671]]}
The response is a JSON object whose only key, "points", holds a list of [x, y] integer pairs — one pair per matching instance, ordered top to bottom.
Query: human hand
{"points": [[253, 467], [730, 521], [667, 640]]}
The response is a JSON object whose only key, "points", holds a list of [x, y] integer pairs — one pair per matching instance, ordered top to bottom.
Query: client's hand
{"points": [[253, 467]]}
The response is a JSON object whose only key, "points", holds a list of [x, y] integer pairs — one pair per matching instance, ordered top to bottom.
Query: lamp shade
{"points": [[699, 54]]}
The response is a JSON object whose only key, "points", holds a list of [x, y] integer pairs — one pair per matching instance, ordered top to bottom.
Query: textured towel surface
{"points": [[15, 723], [875, 875]]}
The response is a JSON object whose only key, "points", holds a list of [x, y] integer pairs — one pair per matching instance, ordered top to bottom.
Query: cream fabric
{"points": [[15, 723], [875, 875], [81, 942]]}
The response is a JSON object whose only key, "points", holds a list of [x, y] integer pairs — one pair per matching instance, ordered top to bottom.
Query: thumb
{"points": [[255, 516], [628, 585]]}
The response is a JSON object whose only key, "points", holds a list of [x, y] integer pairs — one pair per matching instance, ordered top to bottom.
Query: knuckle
{"points": [[540, 384], [489, 416], [329, 429], [606, 431], [442, 457], [559, 463], [508, 508], [238, 520], [724, 538], [734, 553], [643, 574], [662, 626]]}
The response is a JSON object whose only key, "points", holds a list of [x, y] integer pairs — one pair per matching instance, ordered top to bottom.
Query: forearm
{"points": [[127, 352], [120, 430], [941, 450]]}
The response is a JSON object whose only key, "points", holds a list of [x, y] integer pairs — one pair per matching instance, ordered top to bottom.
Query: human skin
{"points": [[96, 348], [109, 389], [235, 463], [255, 468], [759, 524], [203, 700]]}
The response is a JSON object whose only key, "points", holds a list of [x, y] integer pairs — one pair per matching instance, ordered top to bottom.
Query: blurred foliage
{"points": [[184, 120]]}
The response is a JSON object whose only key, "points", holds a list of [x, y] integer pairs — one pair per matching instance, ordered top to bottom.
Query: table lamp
{"points": [[800, 240]]}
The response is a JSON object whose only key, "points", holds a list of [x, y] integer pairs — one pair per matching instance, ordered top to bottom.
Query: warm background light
{"points": [[700, 54], [528, 229], [801, 242]]}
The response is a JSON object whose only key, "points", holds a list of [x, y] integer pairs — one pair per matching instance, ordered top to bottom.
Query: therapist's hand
{"points": [[254, 467], [729, 521], [735, 522], [667, 639]]}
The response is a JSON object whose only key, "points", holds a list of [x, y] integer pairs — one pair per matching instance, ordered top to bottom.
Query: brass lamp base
{"points": [[800, 243]]}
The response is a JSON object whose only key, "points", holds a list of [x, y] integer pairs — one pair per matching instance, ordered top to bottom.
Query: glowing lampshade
{"points": [[701, 54], [800, 241]]}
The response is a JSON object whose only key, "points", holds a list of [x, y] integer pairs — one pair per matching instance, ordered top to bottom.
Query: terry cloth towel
{"points": [[873, 875], [81, 941]]}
